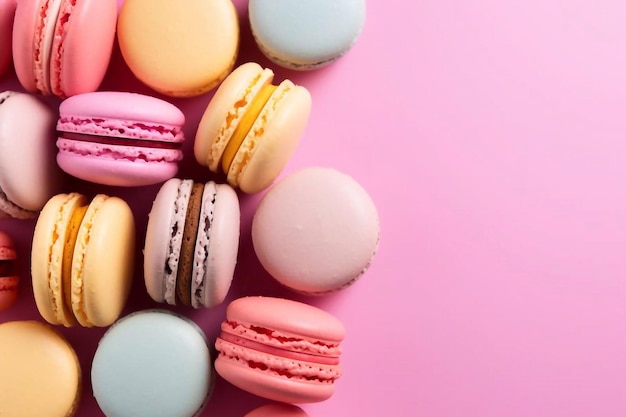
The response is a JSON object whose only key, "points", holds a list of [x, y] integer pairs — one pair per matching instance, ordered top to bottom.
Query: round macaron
{"points": [[7, 12], [306, 34], [63, 47], [179, 48], [251, 127], [122, 139], [29, 175], [316, 230], [191, 243], [82, 259], [9, 279], [280, 349], [152, 363], [41, 375], [277, 410]]}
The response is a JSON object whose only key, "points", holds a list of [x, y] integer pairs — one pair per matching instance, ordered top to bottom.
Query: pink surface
{"points": [[491, 137]]}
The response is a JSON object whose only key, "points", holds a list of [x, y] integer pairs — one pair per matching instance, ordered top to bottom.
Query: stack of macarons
{"points": [[315, 231]]}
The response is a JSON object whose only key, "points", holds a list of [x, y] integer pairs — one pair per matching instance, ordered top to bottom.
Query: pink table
{"points": [[491, 135]]}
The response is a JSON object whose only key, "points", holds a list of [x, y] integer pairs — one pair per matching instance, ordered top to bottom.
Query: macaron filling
{"points": [[244, 126], [201, 259], [7, 267]]}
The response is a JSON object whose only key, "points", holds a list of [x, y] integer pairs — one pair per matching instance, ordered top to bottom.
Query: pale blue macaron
{"points": [[306, 34], [152, 363]]}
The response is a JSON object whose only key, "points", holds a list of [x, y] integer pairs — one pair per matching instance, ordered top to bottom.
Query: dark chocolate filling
{"points": [[113, 140]]}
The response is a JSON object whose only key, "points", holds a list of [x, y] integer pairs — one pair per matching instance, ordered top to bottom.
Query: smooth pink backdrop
{"points": [[491, 135]]}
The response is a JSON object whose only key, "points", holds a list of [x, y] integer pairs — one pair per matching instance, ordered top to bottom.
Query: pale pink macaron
{"points": [[7, 11], [63, 47], [122, 139], [29, 175], [316, 230], [192, 242], [9, 279], [280, 349], [277, 410]]}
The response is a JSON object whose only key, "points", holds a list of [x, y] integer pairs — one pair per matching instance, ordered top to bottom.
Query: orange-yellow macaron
{"points": [[179, 48], [251, 127], [82, 259]]}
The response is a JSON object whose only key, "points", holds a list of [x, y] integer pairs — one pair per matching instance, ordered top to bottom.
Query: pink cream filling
{"points": [[260, 347]]}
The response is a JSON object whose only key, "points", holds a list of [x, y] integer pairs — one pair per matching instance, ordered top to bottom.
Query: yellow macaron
{"points": [[179, 48], [251, 127], [82, 259]]}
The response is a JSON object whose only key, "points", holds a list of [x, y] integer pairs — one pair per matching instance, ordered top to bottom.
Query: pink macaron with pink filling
{"points": [[63, 47], [121, 139], [280, 349]]}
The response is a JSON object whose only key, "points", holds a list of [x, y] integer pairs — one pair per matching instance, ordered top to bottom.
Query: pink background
{"points": [[491, 136]]}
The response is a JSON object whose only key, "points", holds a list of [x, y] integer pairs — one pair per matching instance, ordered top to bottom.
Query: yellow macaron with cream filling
{"points": [[251, 127], [82, 259]]}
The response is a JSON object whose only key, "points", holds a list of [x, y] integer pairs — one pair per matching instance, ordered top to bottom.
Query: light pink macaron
{"points": [[7, 11], [63, 47], [122, 139], [316, 230], [192, 242], [280, 349], [277, 410]]}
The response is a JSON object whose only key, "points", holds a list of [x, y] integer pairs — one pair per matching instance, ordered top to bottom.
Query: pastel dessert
{"points": [[7, 12], [306, 34], [63, 47], [179, 49], [251, 127], [122, 139], [29, 175], [316, 230], [192, 242], [82, 259], [9, 279], [280, 349], [152, 363], [41, 375], [277, 410]]}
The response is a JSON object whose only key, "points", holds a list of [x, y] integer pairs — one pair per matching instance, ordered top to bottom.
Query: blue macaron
{"points": [[306, 34], [152, 363]]}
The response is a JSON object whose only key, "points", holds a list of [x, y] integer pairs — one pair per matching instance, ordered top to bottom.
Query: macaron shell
{"points": [[7, 12], [24, 28], [209, 31], [306, 34], [86, 39], [122, 106], [222, 115], [272, 139], [123, 166], [29, 175], [315, 231], [158, 236], [223, 246], [47, 258], [102, 267], [305, 321], [152, 363], [41, 375], [272, 386], [277, 410]]}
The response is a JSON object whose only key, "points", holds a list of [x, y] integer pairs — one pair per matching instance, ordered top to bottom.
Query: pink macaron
{"points": [[7, 11], [63, 47], [122, 139], [316, 231], [192, 242], [9, 279], [280, 349], [277, 410]]}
